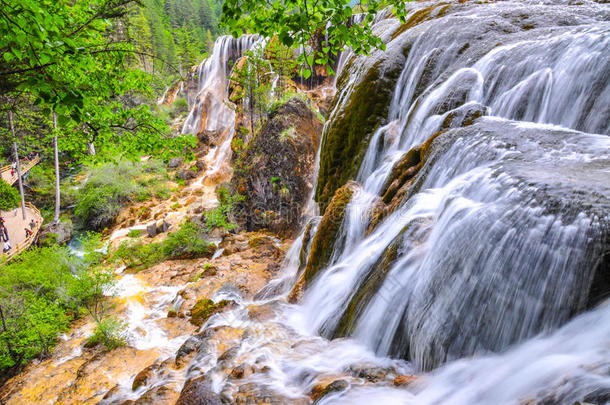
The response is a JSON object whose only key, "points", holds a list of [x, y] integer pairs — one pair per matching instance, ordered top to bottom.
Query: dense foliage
{"points": [[304, 24], [172, 33], [69, 58], [111, 185], [9, 197], [219, 217], [187, 242], [40, 293]]}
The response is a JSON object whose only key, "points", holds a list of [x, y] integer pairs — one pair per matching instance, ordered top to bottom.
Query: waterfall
{"points": [[210, 114], [494, 242]]}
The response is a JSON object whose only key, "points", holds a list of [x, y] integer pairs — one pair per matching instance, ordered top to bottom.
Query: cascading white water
{"points": [[211, 113], [493, 244], [513, 267], [561, 368]]}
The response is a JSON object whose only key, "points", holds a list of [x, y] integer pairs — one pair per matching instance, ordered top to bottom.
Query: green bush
{"points": [[180, 106], [110, 186], [41, 189], [9, 196], [218, 217], [134, 233], [187, 242], [137, 255], [41, 292], [110, 333]]}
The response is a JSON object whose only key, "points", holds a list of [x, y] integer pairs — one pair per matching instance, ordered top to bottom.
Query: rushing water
{"points": [[211, 112], [493, 250]]}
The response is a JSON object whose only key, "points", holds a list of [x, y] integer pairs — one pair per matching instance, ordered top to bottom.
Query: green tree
{"points": [[302, 23], [140, 36], [187, 48], [64, 57], [282, 62], [9, 197]]}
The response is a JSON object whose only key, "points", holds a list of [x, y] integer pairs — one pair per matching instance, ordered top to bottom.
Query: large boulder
{"points": [[274, 173], [55, 233], [198, 391]]}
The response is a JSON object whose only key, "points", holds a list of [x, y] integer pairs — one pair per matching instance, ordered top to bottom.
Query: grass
{"points": [[110, 186], [188, 242]]}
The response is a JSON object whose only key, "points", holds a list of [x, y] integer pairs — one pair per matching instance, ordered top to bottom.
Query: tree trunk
{"points": [[10, 117], [57, 191]]}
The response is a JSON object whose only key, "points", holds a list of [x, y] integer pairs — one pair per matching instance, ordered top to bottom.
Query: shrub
{"points": [[180, 105], [112, 185], [41, 189], [9, 196], [218, 217], [134, 233], [187, 242], [137, 255], [40, 293], [110, 333]]}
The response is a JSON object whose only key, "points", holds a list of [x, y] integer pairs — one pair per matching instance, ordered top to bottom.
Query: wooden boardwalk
{"points": [[26, 165], [14, 222]]}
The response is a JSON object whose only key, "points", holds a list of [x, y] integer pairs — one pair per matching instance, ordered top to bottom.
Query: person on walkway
{"points": [[33, 224], [5, 232], [28, 233], [7, 247]]}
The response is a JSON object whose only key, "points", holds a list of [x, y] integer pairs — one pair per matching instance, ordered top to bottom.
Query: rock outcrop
{"points": [[274, 173]]}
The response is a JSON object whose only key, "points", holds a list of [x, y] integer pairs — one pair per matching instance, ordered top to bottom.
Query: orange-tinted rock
{"points": [[404, 380]]}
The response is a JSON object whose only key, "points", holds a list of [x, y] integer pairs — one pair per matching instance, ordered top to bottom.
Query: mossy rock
{"points": [[360, 107], [347, 136], [275, 170], [47, 239], [324, 239], [204, 309]]}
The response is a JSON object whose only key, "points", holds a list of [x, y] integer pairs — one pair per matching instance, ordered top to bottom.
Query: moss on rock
{"points": [[274, 171], [324, 239], [204, 309]]}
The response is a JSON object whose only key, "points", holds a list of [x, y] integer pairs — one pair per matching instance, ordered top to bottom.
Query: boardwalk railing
{"points": [[5, 171], [27, 242]]}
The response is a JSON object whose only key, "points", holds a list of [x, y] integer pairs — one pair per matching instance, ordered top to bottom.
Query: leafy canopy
{"points": [[298, 22], [69, 57]]}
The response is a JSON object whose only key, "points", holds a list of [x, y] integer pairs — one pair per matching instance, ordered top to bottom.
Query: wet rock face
{"points": [[367, 86], [357, 111], [274, 172], [568, 194], [324, 239], [198, 392]]}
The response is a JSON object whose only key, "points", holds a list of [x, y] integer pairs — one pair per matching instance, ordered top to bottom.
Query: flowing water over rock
{"points": [[211, 118], [501, 234], [471, 249]]}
